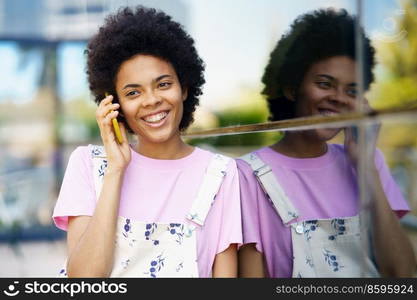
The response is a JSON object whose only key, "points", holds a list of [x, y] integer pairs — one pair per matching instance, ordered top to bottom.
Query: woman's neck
{"points": [[300, 144], [173, 149]]}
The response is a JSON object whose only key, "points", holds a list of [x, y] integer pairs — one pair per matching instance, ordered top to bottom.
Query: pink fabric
{"points": [[319, 188], [159, 191]]}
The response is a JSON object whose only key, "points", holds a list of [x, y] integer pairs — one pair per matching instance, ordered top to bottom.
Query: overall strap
{"points": [[99, 160], [213, 178], [271, 187]]}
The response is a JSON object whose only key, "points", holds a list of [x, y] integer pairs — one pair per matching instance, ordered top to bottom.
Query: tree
{"points": [[397, 57]]}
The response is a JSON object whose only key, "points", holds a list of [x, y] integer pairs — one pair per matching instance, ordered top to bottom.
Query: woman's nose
{"points": [[340, 98], [151, 99]]}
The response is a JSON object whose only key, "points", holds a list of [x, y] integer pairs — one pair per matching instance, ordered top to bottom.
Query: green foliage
{"points": [[396, 84], [397, 92], [249, 108], [82, 110]]}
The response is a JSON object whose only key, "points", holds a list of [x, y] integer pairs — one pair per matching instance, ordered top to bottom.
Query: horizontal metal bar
{"points": [[306, 123]]}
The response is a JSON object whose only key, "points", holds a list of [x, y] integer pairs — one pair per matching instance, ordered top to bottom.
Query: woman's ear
{"points": [[289, 93], [184, 94]]}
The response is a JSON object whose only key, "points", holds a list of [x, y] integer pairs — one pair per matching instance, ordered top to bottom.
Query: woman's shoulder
{"points": [[339, 150], [80, 152], [257, 153], [213, 154], [261, 154], [81, 156], [244, 162]]}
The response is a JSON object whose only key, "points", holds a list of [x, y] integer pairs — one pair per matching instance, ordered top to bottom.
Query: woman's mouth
{"points": [[327, 112], [157, 119]]}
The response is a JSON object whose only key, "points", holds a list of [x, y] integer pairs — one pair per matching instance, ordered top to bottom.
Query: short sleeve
{"points": [[390, 187], [250, 193], [77, 195], [223, 225], [231, 225]]}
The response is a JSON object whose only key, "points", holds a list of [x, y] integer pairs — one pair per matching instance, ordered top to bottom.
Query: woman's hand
{"points": [[352, 135], [118, 155]]}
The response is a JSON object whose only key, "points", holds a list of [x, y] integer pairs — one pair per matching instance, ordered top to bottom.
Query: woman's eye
{"points": [[165, 84], [324, 84], [352, 92], [132, 93]]}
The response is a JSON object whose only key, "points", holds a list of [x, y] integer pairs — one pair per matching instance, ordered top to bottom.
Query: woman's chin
{"points": [[327, 133], [159, 136], [157, 139]]}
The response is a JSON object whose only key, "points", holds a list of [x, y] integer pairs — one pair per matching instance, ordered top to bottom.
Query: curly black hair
{"points": [[144, 31], [314, 36]]}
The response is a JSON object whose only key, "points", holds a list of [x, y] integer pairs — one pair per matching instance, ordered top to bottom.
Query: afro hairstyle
{"points": [[142, 30], [313, 37]]}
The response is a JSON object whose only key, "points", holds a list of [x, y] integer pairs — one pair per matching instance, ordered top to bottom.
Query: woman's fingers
{"points": [[105, 101], [106, 111], [102, 112], [111, 115], [350, 138], [118, 154]]}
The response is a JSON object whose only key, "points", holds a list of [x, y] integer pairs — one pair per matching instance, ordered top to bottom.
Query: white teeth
{"points": [[328, 113], [156, 118]]}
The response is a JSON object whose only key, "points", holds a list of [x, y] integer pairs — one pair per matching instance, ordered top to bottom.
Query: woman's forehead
{"points": [[144, 67], [338, 67]]}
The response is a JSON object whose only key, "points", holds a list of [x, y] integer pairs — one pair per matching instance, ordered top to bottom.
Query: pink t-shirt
{"points": [[319, 188], [159, 191]]}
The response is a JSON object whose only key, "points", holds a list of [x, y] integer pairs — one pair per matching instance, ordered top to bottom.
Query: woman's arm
{"points": [[91, 239], [393, 250], [251, 262], [225, 263]]}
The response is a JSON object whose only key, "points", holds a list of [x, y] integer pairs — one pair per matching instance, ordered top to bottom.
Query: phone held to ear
{"points": [[116, 127], [371, 131], [355, 133]]}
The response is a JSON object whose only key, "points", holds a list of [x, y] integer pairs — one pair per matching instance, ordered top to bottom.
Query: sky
{"points": [[234, 39]]}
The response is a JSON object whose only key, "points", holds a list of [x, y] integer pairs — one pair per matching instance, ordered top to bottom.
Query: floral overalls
{"points": [[337, 247], [159, 249]]}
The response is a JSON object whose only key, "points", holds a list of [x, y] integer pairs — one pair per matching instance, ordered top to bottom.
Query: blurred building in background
{"points": [[65, 20], [44, 115], [39, 117]]}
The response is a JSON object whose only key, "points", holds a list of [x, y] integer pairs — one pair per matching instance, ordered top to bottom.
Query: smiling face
{"points": [[328, 88], [151, 98]]}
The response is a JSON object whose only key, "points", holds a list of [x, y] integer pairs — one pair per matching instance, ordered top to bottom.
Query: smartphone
{"points": [[116, 127], [371, 132], [355, 133]]}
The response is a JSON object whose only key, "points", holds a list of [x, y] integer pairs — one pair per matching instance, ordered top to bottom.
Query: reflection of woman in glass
{"points": [[155, 215], [310, 227]]}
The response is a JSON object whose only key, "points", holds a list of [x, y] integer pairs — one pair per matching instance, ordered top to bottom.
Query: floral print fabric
{"points": [[324, 247], [155, 250]]}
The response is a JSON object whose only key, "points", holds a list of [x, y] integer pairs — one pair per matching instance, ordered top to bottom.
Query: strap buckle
{"points": [[262, 170]]}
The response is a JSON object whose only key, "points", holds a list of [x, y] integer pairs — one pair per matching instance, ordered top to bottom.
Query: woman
{"points": [[148, 209], [307, 222]]}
